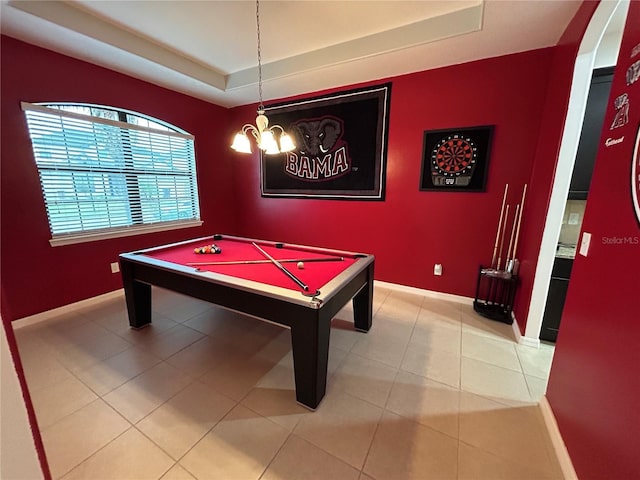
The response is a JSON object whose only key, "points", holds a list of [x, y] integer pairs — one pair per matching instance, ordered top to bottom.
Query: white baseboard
{"points": [[427, 293], [72, 307], [529, 342], [559, 447]]}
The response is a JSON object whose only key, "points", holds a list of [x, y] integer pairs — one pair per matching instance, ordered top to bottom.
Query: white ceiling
{"points": [[207, 49]]}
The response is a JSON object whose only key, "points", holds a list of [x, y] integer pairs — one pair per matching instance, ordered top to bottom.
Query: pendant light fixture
{"points": [[264, 134]]}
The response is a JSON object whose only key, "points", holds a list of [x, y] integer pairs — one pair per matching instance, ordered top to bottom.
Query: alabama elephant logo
{"points": [[320, 152]]}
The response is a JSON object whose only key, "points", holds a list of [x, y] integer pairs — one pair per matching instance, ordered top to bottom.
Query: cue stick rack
{"points": [[496, 284], [495, 291]]}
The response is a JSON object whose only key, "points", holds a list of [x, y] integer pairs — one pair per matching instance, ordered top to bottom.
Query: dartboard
{"points": [[454, 155]]}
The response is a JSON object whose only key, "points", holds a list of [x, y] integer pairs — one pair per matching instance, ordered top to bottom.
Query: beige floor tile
{"points": [[163, 300], [401, 305], [188, 309], [440, 312], [110, 314], [218, 322], [475, 323], [119, 324], [388, 326], [55, 327], [343, 333], [254, 335], [437, 336], [171, 341], [32, 344], [439, 344], [87, 345], [277, 348], [384, 350], [489, 350], [203, 356], [536, 362], [438, 365], [45, 371], [113, 372], [236, 377], [282, 377], [364, 378], [494, 382], [537, 387], [138, 397], [56, 401], [425, 401], [278, 405], [182, 421], [343, 426], [515, 434], [74, 438], [240, 447], [403, 449], [130, 456], [300, 460], [477, 464], [177, 473]]}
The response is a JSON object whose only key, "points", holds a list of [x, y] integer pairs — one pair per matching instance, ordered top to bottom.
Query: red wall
{"points": [[412, 230], [37, 277], [594, 384]]}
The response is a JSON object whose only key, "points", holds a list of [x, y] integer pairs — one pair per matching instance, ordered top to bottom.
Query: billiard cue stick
{"points": [[524, 192], [504, 227], [513, 231], [495, 247], [251, 262], [284, 270]]}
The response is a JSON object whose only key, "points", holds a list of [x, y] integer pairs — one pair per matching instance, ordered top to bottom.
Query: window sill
{"points": [[121, 232]]}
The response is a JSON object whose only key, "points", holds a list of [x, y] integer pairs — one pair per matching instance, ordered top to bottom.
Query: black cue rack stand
{"points": [[495, 291]]}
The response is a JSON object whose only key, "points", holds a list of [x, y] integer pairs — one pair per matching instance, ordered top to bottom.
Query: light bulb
{"points": [[241, 143], [268, 143], [286, 143]]}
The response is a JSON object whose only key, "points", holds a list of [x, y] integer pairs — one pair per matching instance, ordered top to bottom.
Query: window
{"points": [[107, 172]]}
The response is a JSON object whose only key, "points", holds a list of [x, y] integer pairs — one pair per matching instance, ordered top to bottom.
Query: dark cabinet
{"points": [[591, 130], [555, 299]]}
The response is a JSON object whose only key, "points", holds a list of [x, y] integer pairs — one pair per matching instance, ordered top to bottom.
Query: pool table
{"points": [[263, 279]]}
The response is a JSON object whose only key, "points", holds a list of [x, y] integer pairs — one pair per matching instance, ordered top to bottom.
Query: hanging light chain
{"points": [[260, 105], [262, 131]]}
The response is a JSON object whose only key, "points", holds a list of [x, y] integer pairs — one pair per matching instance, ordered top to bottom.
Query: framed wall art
{"points": [[341, 146], [456, 159]]}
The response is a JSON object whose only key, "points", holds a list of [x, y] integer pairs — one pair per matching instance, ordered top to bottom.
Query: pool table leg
{"points": [[138, 297], [363, 305], [310, 344]]}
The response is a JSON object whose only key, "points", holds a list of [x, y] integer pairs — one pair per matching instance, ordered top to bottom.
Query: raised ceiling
{"points": [[207, 49]]}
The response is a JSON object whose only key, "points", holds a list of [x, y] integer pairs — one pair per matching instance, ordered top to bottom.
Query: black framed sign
{"points": [[341, 146], [456, 159]]}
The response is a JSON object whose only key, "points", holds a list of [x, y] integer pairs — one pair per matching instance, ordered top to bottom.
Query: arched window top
{"points": [[116, 114]]}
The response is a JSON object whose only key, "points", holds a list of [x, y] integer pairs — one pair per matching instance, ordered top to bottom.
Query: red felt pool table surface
{"points": [[314, 274]]}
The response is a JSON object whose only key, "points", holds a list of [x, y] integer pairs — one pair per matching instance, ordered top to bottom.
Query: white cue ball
{"points": [[300, 265]]}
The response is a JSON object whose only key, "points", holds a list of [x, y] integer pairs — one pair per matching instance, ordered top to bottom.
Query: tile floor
{"points": [[433, 391]]}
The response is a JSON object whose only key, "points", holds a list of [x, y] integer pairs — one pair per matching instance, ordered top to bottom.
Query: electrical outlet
{"points": [[115, 267], [437, 269]]}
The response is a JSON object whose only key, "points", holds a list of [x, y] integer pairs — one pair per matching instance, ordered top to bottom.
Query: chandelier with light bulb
{"points": [[264, 135]]}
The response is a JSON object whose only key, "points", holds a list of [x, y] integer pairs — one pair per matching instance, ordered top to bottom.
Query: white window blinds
{"points": [[99, 174]]}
